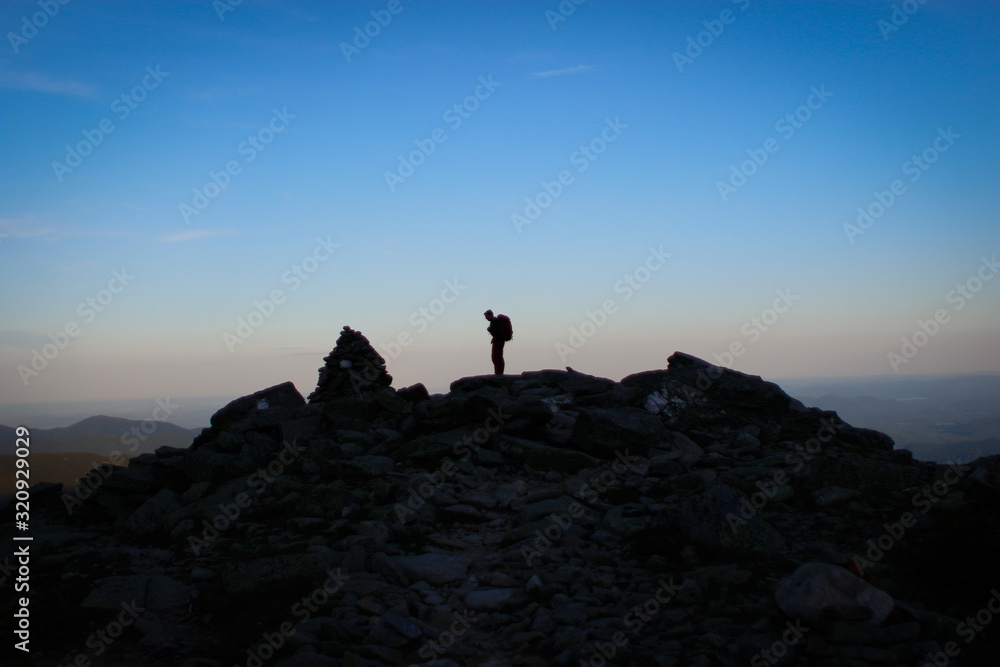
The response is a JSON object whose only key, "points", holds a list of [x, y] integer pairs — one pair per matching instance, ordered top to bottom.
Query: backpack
{"points": [[504, 329]]}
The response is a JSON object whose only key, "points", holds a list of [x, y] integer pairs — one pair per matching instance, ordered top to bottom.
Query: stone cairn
{"points": [[353, 368]]}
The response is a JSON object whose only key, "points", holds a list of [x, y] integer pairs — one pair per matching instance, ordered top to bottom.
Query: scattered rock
{"points": [[522, 519]]}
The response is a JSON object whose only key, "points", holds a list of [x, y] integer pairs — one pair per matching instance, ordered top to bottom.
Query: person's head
{"points": [[489, 315]]}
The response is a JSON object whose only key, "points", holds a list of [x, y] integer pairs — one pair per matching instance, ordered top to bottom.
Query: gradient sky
{"points": [[330, 122]]}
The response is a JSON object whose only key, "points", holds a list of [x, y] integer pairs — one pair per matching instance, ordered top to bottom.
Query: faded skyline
{"points": [[197, 196]]}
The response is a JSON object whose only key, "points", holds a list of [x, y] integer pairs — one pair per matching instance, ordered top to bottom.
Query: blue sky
{"points": [[644, 109]]}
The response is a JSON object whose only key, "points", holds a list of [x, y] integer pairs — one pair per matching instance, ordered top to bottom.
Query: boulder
{"points": [[603, 431], [543, 457], [148, 518], [434, 568], [280, 573], [816, 590], [144, 591]]}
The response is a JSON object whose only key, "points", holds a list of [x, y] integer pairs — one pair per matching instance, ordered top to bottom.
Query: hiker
{"points": [[502, 331]]}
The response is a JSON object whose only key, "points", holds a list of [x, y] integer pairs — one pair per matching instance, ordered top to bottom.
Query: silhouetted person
{"points": [[501, 330]]}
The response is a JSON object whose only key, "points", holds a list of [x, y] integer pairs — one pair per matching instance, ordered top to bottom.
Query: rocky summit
{"points": [[692, 515]]}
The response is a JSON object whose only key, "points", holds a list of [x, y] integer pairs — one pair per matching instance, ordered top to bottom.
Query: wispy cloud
{"points": [[578, 69], [43, 83], [26, 227], [20, 228], [195, 234]]}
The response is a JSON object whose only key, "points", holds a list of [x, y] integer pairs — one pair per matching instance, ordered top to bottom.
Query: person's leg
{"points": [[497, 357]]}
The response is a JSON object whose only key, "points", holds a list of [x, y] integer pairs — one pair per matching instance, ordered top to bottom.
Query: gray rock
{"points": [[265, 406], [603, 431], [678, 442], [543, 457], [132, 480], [833, 495], [563, 505], [149, 517], [717, 518], [434, 568], [281, 573], [816, 586], [147, 592], [490, 599], [393, 630]]}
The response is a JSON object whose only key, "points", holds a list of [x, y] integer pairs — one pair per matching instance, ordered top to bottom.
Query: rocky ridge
{"points": [[687, 516]]}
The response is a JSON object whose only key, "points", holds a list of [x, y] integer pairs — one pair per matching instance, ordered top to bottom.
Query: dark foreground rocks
{"points": [[686, 516]]}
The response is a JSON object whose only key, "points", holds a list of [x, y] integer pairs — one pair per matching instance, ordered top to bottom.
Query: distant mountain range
{"points": [[937, 418], [104, 435], [63, 454]]}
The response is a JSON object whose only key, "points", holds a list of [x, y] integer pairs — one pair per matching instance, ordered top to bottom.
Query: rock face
{"points": [[352, 368], [686, 516], [815, 591]]}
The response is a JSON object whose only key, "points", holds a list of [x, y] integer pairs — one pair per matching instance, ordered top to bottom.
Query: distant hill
{"points": [[938, 419], [104, 435], [954, 451]]}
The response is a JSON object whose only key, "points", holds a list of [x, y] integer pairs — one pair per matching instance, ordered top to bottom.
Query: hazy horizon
{"points": [[196, 203], [195, 411]]}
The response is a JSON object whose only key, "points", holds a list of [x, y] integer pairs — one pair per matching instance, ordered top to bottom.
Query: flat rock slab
{"points": [[434, 568], [281, 573], [144, 591], [491, 599]]}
